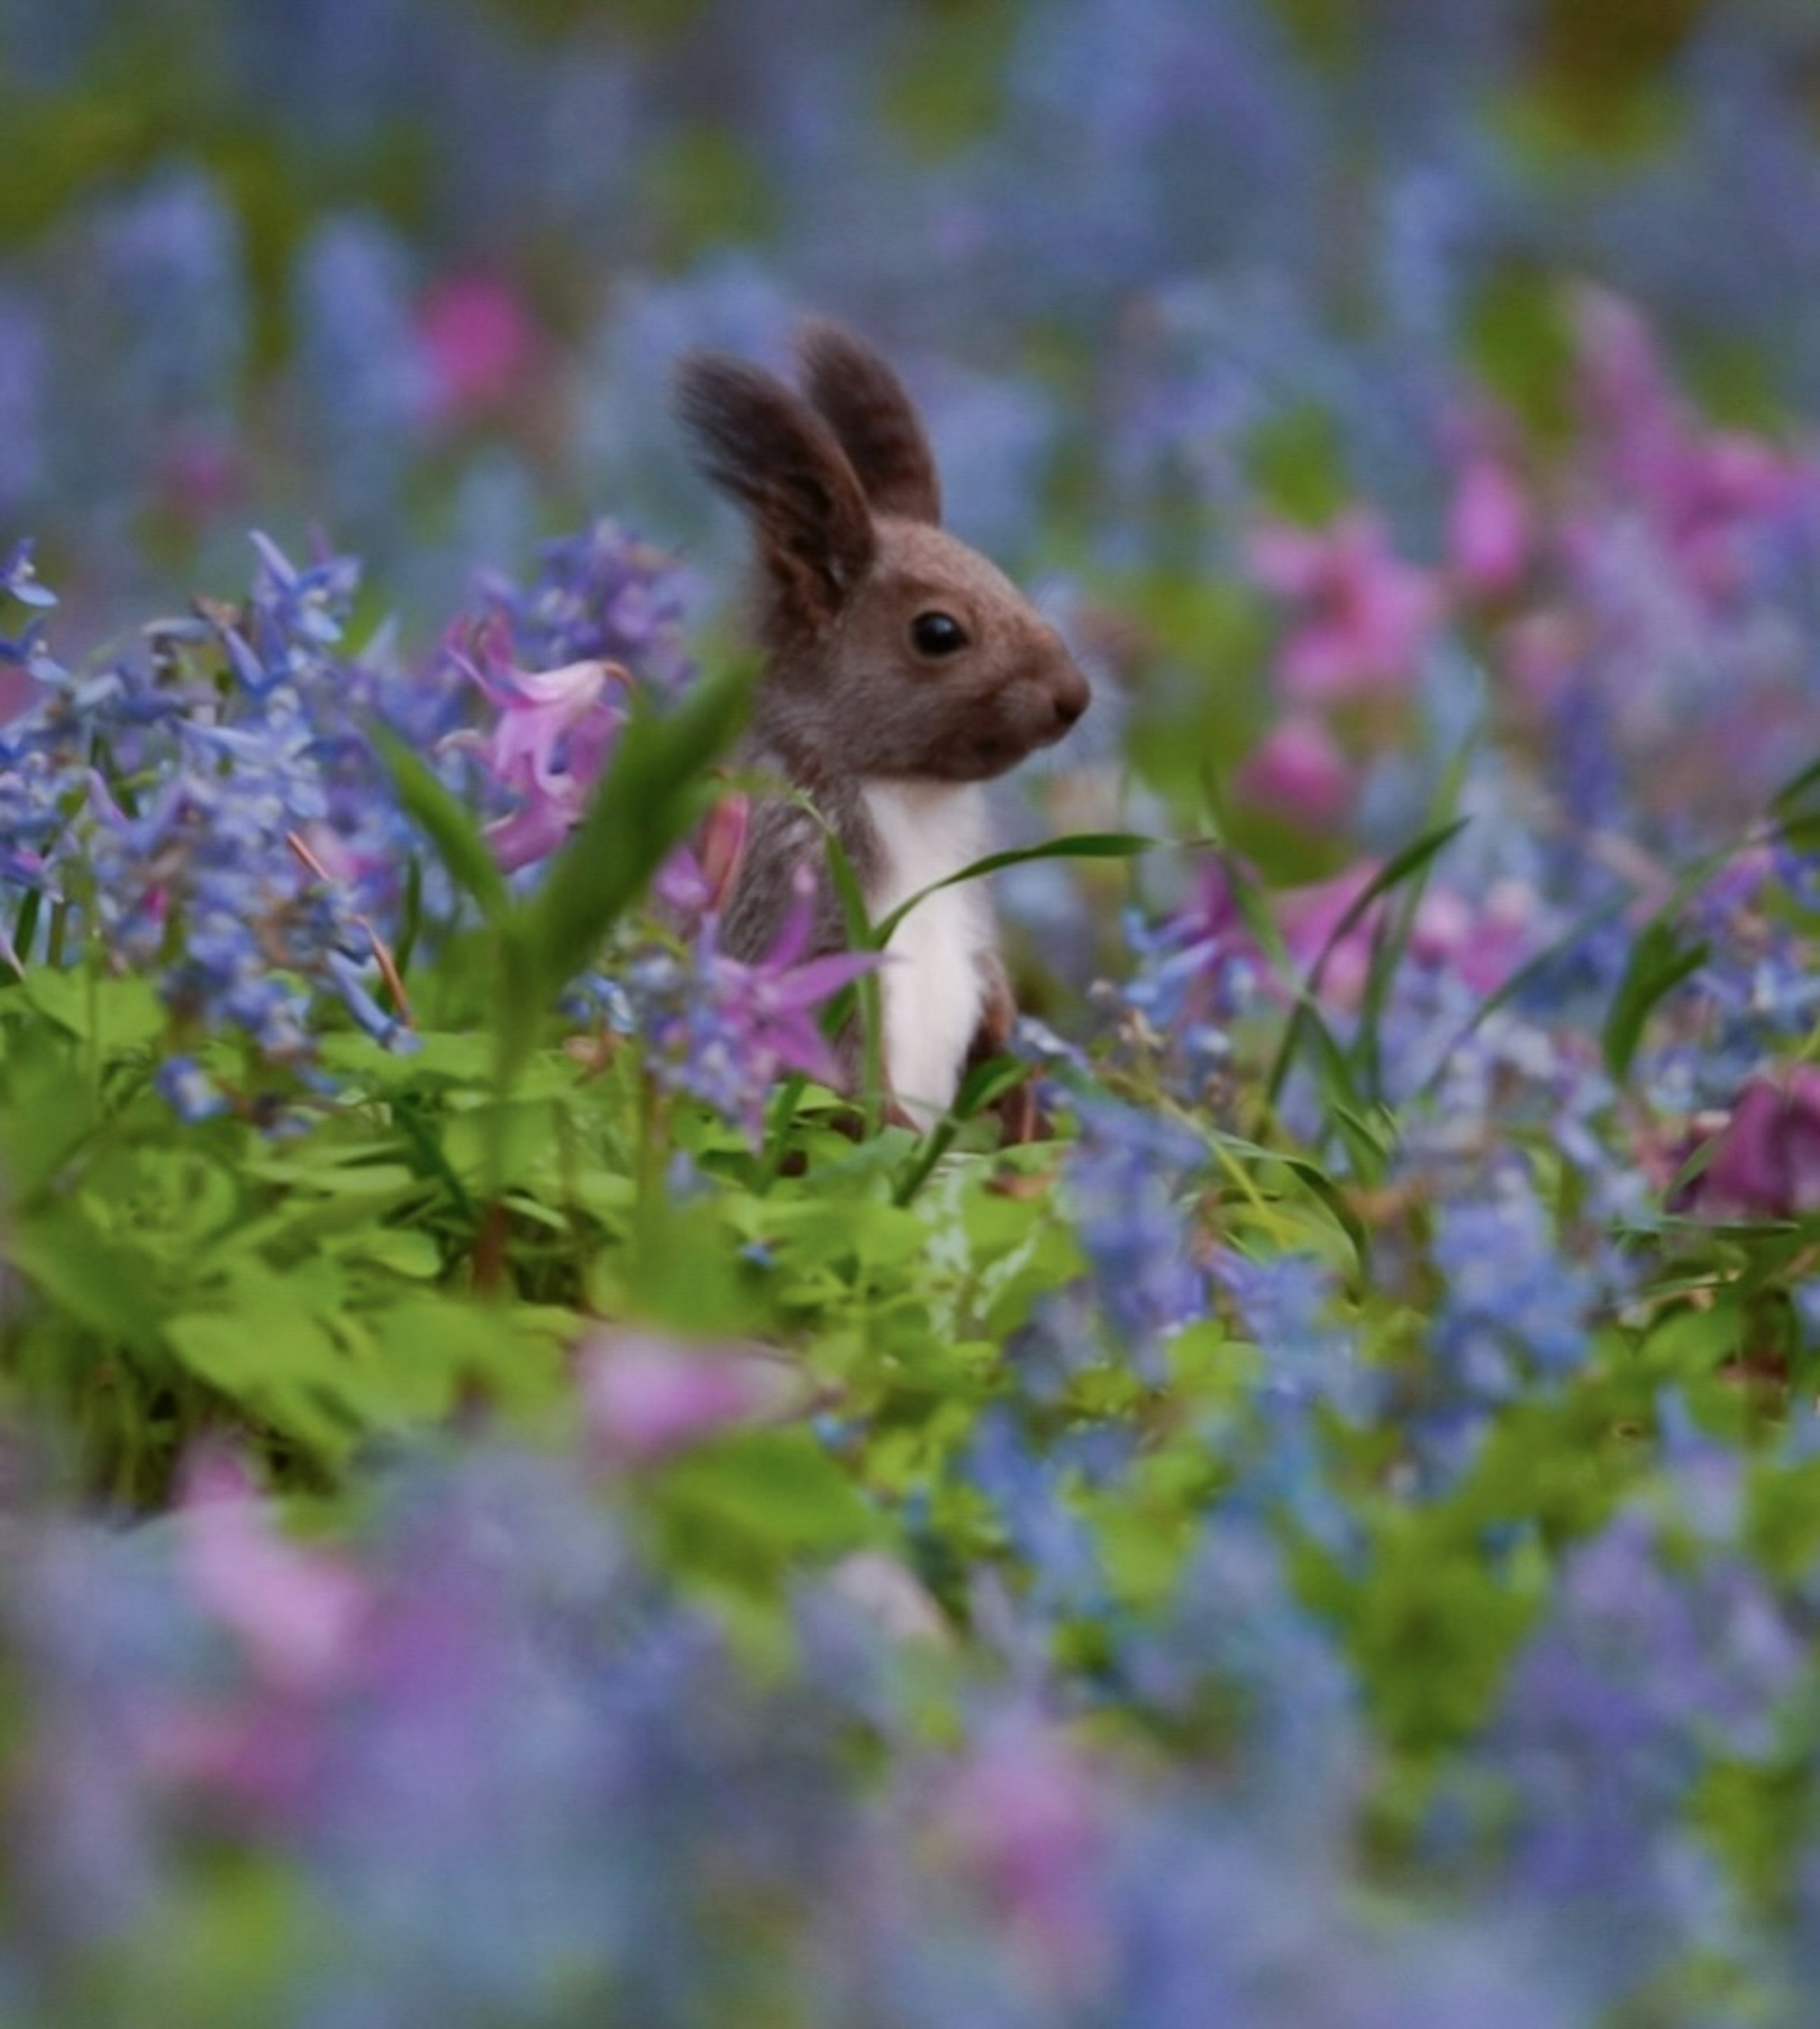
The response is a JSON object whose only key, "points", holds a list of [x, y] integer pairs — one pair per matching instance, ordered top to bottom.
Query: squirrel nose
{"points": [[1071, 697]]}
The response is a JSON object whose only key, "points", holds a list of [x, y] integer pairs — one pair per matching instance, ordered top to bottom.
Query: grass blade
{"points": [[446, 822], [1081, 845]]}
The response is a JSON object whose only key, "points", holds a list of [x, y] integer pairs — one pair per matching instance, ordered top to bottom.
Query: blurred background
{"points": [[414, 270], [1164, 273]]}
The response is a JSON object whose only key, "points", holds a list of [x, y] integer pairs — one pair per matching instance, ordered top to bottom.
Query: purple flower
{"points": [[171, 257], [361, 364], [25, 427], [602, 596], [294, 617], [200, 849], [726, 1030], [1766, 1161], [1510, 1303], [1285, 1304], [1646, 1666]]}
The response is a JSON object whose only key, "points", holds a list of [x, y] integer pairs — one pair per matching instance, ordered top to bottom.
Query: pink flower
{"points": [[480, 343], [1625, 393], [200, 476], [1726, 487], [1706, 494], [1490, 529], [1363, 617], [548, 748], [1298, 772], [697, 878], [1310, 918], [1482, 942], [1483, 945], [644, 1398], [296, 1613], [266, 1760], [1027, 1815]]}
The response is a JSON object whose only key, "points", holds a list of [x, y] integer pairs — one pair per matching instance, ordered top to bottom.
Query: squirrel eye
{"points": [[937, 634]]}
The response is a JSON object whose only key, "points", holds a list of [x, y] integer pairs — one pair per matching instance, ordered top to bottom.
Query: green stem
{"points": [[782, 1112], [936, 1145]]}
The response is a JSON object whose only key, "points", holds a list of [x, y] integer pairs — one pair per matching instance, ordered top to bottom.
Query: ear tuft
{"points": [[870, 412], [768, 449]]}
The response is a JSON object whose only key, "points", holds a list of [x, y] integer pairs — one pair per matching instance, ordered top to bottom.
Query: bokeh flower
{"points": [[1360, 618]]}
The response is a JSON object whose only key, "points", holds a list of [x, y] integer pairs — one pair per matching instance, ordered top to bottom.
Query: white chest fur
{"points": [[930, 984]]}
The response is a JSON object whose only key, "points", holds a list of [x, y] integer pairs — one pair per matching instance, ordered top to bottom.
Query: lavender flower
{"points": [[157, 360], [361, 366], [602, 596], [1125, 1184], [1285, 1304], [1512, 1313], [1638, 1668]]}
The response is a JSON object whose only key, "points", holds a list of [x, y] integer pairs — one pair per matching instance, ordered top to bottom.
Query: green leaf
{"points": [[656, 784], [447, 821], [1401, 866], [1390, 943], [1659, 961], [111, 1014], [1305, 1020], [48, 1109], [403, 1250], [106, 1287], [288, 1371], [774, 1492]]}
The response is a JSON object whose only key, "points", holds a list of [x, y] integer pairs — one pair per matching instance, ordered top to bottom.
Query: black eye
{"points": [[937, 634]]}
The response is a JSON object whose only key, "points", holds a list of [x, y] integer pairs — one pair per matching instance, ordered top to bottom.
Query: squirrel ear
{"points": [[867, 407], [765, 446]]}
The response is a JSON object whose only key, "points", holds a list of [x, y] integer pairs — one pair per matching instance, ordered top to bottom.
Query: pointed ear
{"points": [[868, 409], [765, 447]]}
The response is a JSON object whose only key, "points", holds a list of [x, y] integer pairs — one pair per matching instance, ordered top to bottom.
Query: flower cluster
{"points": [[209, 809], [1324, 1536]]}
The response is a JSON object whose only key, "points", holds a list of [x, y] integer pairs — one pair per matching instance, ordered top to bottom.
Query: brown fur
{"points": [[840, 488]]}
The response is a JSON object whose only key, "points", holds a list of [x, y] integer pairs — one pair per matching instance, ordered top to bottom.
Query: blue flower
{"points": [[19, 580], [193, 1096], [1126, 1182]]}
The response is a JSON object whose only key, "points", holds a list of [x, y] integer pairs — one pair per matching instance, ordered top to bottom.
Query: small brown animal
{"points": [[903, 671]]}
